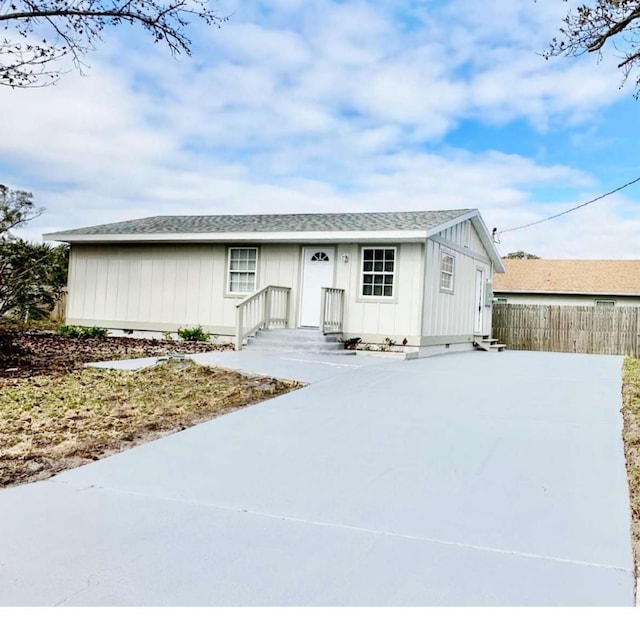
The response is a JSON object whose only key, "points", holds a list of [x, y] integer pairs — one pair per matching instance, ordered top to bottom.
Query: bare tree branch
{"points": [[590, 26], [615, 29], [44, 32]]}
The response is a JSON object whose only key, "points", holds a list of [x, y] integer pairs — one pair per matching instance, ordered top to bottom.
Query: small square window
{"points": [[378, 271]]}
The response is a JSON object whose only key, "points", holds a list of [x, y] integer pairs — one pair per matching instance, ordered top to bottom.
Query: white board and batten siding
{"points": [[161, 287], [164, 287], [451, 316], [374, 319]]}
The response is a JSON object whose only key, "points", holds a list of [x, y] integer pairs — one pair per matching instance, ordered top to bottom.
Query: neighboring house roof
{"points": [[407, 226], [599, 277]]}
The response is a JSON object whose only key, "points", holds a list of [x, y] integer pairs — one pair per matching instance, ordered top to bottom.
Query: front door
{"points": [[317, 273], [479, 301]]}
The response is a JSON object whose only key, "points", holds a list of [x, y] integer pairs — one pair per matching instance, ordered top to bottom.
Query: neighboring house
{"points": [[415, 276], [605, 283]]}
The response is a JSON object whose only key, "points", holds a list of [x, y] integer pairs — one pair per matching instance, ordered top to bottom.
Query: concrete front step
{"points": [[286, 335], [310, 341], [489, 344], [279, 345], [491, 347], [300, 351]]}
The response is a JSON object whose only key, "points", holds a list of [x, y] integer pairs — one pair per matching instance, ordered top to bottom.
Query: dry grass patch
{"points": [[52, 423], [631, 433]]}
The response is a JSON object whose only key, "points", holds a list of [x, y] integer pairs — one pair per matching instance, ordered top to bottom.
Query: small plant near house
{"points": [[68, 331], [81, 332], [95, 332], [193, 334], [166, 335], [352, 343], [387, 345]]}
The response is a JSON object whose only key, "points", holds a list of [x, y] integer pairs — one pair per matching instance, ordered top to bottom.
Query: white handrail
{"points": [[265, 308], [332, 310]]}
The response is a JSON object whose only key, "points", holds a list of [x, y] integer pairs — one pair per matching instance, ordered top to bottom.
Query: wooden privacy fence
{"points": [[59, 311], [559, 328]]}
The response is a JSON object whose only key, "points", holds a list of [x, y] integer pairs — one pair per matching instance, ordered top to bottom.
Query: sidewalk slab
{"points": [[105, 548]]}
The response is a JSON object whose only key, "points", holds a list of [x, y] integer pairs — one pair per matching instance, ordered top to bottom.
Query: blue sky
{"points": [[310, 106]]}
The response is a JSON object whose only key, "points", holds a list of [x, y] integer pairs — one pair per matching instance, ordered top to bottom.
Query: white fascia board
{"points": [[483, 233], [256, 237], [487, 241], [575, 293]]}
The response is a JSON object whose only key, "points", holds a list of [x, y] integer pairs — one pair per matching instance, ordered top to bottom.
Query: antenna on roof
{"points": [[495, 236]]}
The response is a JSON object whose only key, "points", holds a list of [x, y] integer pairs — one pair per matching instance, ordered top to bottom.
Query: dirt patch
{"points": [[37, 353], [56, 414], [631, 434]]}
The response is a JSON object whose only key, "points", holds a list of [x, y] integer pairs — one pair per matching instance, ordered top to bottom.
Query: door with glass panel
{"points": [[317, 273]]}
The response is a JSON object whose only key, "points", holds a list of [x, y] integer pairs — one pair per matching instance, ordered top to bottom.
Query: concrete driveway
{"points": [[465, 479]]}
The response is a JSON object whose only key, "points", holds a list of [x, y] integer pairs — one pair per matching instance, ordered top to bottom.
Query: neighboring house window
{"points": [[447, 265], [242, 269], [378, 271], [500, 300], [605, 303]]}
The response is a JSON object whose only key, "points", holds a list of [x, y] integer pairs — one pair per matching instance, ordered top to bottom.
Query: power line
{"points": [[575, 208]]}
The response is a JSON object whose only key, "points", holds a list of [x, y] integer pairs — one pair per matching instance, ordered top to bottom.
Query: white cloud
{"points": [[314, 106], [598, 231]]}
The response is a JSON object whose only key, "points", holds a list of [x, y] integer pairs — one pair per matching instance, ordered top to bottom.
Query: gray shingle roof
{"points": [[314, 222]]}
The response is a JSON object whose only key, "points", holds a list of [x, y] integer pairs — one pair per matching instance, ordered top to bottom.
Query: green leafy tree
{"points": [[592, 26], [38, 34], [16, 209], [521, 255], [32, 278]]}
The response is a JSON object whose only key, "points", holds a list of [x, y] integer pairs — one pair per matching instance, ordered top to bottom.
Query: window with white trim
{"points": [[243, 262], [447, 267], [378, 271], [605, 303]]}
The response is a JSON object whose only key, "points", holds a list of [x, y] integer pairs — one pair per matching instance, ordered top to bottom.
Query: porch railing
{"points": [[268, 307], [332, 310]]}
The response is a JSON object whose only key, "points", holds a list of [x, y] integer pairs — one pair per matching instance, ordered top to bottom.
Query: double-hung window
{"points": [[243, 263], [447, 267], [378, 271]]}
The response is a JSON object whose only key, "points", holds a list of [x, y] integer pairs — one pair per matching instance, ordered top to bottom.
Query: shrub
{"points": [[68, 331], [95, 331], [82, 332], [193, 334]]}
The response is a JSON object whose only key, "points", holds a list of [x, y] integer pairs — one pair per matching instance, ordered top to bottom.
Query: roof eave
{"points": [[483, 233], [236, 237], [568, 292]]}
